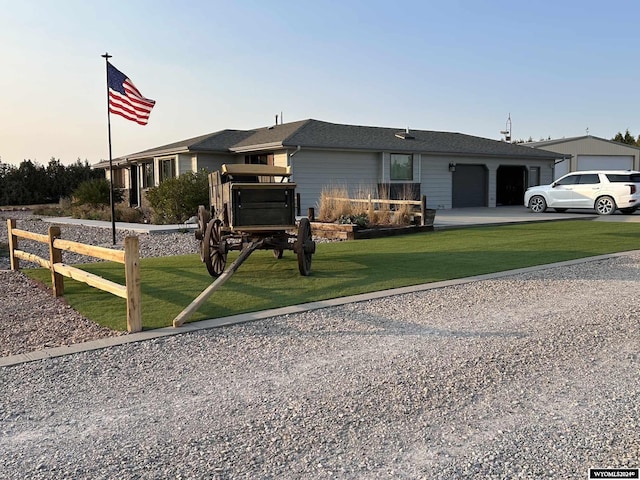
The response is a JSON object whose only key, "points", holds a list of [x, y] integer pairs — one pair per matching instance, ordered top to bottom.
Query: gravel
{"points": [[32, 319], [533, 375]]}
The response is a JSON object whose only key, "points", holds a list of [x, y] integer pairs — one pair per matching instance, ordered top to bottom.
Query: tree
{"points": [[627, 138], [31, 183]]}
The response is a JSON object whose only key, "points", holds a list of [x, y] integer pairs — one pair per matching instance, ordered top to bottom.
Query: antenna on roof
{"points": [[507, 131]]}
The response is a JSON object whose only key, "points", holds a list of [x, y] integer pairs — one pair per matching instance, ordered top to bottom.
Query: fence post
{"points": [[423, 209], [13, 244], [55, 256], [132, 280]]}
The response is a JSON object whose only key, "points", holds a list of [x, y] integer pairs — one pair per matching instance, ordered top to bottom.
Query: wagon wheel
{"points": [[203, 220], [305, 247], [214, 249]]}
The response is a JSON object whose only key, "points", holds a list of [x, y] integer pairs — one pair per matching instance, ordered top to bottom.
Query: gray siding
{"points": [[213, 161], [185, 163], [314, 170], [435, 181]]}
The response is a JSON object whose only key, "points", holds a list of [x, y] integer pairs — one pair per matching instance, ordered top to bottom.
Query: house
{"points": [[590, 153], [451, 169]]}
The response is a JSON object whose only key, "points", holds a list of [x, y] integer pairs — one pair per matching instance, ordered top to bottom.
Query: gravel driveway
{"points": [[534, 375]]}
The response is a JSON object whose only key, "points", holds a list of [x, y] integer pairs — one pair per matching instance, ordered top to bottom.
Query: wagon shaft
{"points": [[219, 281]]}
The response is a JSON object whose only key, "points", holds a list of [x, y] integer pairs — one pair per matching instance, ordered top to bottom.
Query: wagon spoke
{"points": [[215, 249]]}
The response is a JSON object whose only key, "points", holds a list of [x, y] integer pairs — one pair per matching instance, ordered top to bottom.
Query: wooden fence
{"points": [[421, 205], [130, 257]]}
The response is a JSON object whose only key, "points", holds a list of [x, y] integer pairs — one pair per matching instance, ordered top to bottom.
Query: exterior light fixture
{"points": [[452, 167]]}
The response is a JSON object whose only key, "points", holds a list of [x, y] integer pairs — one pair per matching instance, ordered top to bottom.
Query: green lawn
{"points": [[346, 268]]}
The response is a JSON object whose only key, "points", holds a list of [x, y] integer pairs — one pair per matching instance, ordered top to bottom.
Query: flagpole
{"points": [[106, 57]]}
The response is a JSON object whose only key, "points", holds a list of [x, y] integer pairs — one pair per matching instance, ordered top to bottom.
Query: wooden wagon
{"points": [[252, 207]]}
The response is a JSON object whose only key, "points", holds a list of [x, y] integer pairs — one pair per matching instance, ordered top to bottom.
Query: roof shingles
{"points": [[324, 135]]}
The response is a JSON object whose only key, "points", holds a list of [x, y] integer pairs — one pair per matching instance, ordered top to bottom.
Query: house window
{"points": [[259, 159], [401, 166], [167, 169], [147, 175], [118, 177]]}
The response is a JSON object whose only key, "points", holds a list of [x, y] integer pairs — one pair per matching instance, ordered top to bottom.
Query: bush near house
{"points": [[95, 193], [177, 199]]}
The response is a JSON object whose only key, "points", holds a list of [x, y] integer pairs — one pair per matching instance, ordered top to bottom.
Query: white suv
{"points": [[606, 191]]}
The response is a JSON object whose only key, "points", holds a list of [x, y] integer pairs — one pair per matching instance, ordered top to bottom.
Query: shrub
{"points": [[95, 193], [177, 199], [330, 207], [62, 210], [90, 212], [129, 214], [360, 219]]}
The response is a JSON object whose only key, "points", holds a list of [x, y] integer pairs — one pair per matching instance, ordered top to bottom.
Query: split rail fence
{"points": [[420, 211], [130, 257]]}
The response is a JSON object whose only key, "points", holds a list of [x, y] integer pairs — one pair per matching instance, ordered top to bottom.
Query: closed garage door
{"points": [[605, 162], [469, 186]]}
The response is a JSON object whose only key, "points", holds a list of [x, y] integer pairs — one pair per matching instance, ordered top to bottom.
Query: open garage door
{"points": [[605, 162], [510, 184], [469, 186]]}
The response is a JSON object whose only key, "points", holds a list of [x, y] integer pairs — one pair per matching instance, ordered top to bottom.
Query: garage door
{"points": [[605, 162], [469, 186]]}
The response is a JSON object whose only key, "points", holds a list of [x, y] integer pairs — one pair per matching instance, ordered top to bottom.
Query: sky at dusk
{"points": [[559, 68]]}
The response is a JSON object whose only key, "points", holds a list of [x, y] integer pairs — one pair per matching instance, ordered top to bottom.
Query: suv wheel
{"points": [[537, 204], [605, 205]]}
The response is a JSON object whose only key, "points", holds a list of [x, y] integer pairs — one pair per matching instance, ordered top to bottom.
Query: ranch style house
{"points": [[453, 170]]}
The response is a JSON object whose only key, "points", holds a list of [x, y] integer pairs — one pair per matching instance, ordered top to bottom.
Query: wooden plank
{"points": [[250, 169], [377, 200], [336, 227], [262, 228], [30, 235], [13, 244], [90, 250], [55, 256], [30, 257], [132, 276], [91, 279]]}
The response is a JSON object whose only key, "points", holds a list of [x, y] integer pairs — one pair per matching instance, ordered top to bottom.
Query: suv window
{"points": [[624, 177], [589, 178], [570, 180]]}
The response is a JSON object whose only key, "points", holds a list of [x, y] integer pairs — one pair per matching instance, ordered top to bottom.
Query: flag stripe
{"points": [[125, 99]]}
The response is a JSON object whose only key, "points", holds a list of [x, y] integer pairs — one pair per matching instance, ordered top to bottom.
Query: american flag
{"points": [[125, 99]]}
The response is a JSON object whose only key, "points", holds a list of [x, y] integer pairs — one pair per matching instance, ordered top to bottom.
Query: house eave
{"points": [[257, 148], [159, 153]]}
